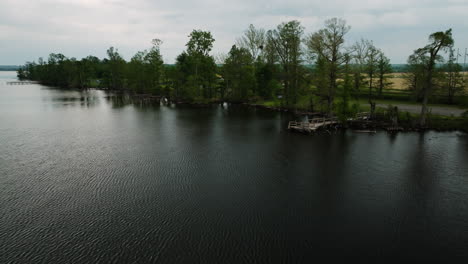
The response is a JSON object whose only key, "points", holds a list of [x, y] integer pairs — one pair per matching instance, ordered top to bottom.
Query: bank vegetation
{"points": [[282, 68]]}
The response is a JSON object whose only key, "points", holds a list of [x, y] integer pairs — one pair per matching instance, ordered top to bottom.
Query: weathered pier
{"points": [[21, 82], [314, 124]]}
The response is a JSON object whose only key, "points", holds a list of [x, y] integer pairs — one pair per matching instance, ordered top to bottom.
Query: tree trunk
{"points": [[381, 79], [331, 90], [426, 91], [372, 103], [372, 109], [395, 116], [422, 121]]}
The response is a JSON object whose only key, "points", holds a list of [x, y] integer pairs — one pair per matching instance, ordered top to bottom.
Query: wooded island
{"points": [[281, 68]]}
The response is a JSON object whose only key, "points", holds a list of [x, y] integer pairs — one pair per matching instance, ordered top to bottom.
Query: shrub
{"points": [[465, 114]]}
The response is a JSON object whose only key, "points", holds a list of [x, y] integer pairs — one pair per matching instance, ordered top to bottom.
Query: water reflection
{"points": [[120, 100], [392, 137], [84, 172]]}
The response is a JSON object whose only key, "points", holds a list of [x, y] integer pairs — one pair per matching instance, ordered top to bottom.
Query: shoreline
{"points": [[378, 124], [443, 124]]}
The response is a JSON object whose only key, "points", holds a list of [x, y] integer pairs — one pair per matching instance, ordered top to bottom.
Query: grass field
{"points": [[398, 81], [397, 94]]}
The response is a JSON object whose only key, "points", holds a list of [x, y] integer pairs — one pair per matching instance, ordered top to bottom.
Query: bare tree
{"points": [[253, 40], [156, 43], [327, 44], [360, 50], [220, 57], [371, 61], [383, 67], [371, 68], [452, 79]]}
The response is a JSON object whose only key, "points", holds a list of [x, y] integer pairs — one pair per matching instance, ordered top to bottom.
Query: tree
{"points": [[253, 40], [286, 42], [200, 43], [327, 45], [198, 48], [360, 51], [269, 54], [429, 56], [371, 61], [154, 66], [195, 68], [383, 68], [88, 69], [371, 69], [54, 70], [145, 70], [21, 73], [137, 73], [115, 74], [239, 74], [415, 76], [321, 79], [452, 81], [267, 82], [185, 88], [343, 107]]}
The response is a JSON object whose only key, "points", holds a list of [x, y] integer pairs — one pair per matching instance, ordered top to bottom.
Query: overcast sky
{"points": [[77, 28]]}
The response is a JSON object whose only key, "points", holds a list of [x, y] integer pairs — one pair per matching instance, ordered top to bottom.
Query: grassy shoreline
{"points": [[406, 121]]}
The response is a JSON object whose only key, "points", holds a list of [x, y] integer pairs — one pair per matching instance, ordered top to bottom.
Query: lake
{"points": [[88, 176]]}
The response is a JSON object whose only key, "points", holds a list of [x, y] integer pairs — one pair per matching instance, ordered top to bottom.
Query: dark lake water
{"points": [[87, 177]]}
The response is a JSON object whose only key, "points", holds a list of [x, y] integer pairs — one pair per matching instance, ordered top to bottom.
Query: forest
{"points": [[282, 67]]}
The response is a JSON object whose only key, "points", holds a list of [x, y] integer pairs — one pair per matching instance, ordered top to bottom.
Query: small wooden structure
{"points": [[21, 82], [362, 116], [312, 125]]}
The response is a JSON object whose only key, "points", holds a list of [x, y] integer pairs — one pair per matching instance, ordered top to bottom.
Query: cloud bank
{"points": [[77, 28]]}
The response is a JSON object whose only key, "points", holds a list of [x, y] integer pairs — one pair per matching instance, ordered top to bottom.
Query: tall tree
{"points": [[253, 40], [286, 42], [200, 43], [327, 45], [360, 51], [269, 53], [429, 56], [116, 65], [154, 66], [196, 68], [371, 68], [383, 68], [55, 71], [87, 71], [239, 74], [415, 76], [137, 77], [452, 79], [267, 80], [321, 80], [185, 85], [343, 107]]}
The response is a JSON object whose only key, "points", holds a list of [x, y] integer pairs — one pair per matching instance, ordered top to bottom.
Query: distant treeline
{"points": [[282, 65], [9, 67], [407, 68]]}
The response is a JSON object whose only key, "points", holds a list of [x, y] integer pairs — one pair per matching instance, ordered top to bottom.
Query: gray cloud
{"points": [[77, 28]]}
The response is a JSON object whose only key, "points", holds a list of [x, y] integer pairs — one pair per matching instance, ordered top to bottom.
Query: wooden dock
{"points": [[21, 82], [312, 125]]}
